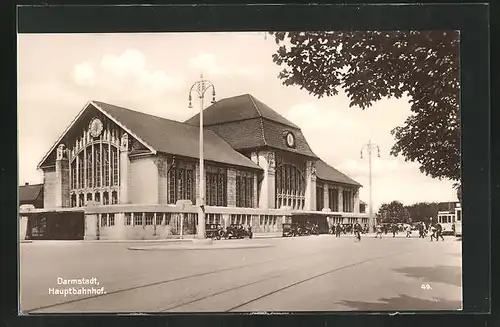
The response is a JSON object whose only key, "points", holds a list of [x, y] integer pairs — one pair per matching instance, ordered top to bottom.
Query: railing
{"points": [[130, 221], [168, 221]]}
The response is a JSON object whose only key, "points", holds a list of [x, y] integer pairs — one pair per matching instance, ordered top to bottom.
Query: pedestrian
{"points": [[338, 230], [394, 230], [420, 230], [357, 231], [378, 231], [408, 231], [433, 232], [439, 232]]}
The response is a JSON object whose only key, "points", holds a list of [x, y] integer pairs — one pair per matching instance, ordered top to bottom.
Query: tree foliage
{"points": [[369, 66], [423, 211], [394, 212]]}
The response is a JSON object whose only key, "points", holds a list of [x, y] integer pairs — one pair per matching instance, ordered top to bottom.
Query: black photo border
{"points": [[471, 19]]}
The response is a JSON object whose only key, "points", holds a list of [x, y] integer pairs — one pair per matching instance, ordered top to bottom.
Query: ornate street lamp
{"points": [[201, 88], [370, 147]]}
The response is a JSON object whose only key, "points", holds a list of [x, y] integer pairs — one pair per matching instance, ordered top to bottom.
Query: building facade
{"points": [[130, 175]]}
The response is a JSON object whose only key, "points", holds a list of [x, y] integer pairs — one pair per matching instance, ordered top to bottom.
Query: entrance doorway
{"points": [[304, 219]]}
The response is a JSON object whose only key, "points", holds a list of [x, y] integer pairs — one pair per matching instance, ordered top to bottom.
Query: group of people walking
{"points": [[338, 229], [435, 230]]}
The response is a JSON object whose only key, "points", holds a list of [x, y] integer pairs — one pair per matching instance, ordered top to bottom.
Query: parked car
{"points": [[290, 230], [214, 231], [238, 231]]}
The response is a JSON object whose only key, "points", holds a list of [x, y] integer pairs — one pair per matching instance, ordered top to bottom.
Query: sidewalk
{"points": [[268, 235], [214, 245]]}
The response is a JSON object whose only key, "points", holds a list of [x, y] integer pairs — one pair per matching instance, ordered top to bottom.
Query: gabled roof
{"points": [[90, 104], [237, 108], [168, 136], [326, 172], [30, 193]]}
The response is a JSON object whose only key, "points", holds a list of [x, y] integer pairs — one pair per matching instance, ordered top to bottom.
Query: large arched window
{"points": [[94, 171], [181, 182], [290, 182], [216, 186], [244, 189]]}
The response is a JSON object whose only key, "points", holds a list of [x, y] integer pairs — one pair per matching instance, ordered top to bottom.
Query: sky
{"points": [[59, 73]]}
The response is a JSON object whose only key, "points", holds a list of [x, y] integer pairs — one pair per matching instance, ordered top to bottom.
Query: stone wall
{"points": [[162, 164], [49, 187]]}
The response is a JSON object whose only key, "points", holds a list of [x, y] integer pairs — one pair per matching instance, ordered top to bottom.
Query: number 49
{"points": [[426, 287]]}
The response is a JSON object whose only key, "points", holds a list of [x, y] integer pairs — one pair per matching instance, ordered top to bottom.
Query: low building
{"points": [[123, 174], [30, 196], [362, 206]]}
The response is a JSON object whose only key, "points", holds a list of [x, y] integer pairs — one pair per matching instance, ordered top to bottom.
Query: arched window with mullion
{"points": [[105, 164], [97, 166], [89, 168]]}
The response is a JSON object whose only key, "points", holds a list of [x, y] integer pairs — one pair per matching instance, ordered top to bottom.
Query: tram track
{"points": [[312, 278], [171, 280], [290, 285]]}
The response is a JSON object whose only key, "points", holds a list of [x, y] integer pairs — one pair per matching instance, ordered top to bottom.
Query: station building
{"points": [[116, 173]]}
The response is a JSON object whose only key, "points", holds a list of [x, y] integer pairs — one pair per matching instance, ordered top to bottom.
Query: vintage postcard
{"points": [[239, 172]]}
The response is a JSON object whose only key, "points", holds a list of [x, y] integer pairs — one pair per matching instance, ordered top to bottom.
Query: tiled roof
{"points": [[236, 108], [245, 122], [275, 133], [241, 134], [176, 138], [326, 172], [29, 193]]}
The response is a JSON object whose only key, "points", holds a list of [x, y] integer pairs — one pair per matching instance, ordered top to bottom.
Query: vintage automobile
{"points": [[308, 229], [312, 229], [290, 230], [214, 231], [238, 231]]}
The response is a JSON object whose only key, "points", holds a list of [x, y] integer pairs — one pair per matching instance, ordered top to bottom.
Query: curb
{"points": [[194, 246]]}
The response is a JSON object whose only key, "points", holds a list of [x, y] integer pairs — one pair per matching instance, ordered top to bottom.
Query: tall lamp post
{"points": [[201, 88], [370, 147]]}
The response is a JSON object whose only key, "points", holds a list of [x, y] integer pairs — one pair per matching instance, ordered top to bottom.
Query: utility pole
{"points": [[201, 87], [369, 148]]}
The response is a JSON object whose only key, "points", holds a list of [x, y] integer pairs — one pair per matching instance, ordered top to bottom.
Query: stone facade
{"points": [[266, 160], [162, 165], [125, 176], [62, 178], [144, 178], [49, 187], [326, 199], [341, 199], [310, 203]]}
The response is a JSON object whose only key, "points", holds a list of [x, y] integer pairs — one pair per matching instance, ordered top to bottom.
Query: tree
{"points": [[373, 65], [422, 211], [393, 212]]}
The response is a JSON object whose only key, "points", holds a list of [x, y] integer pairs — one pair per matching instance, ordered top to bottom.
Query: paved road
{"points": [[312, 273]]}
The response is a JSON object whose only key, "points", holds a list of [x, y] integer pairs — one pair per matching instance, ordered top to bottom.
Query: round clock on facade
{"points": [[96, 127], [290, 139]]}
